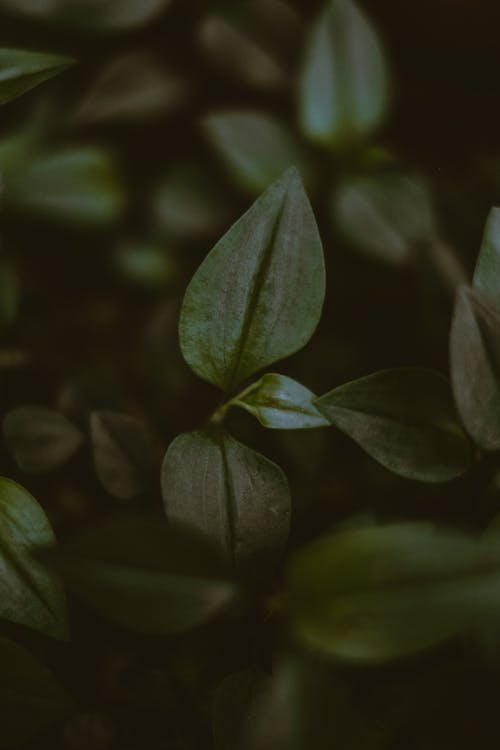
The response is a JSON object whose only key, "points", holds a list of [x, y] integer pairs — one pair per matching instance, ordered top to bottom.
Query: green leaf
{"points": [[21, 70], [343, 85], [255, 147], [74, 185], [387, 216], [148, 265], [487, 272], [257, 296], [475, 366], [281, 403], [405, 419], [40, 439], [122, 453], [235, 496], [145, 575], [379, 593], [29, 594], [32, 700]]}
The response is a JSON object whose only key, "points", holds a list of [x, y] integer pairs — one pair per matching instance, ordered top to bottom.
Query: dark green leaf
{"points": [[21, 70], [343, 87], [256, 147], [149, 265], [487, 272], [257, 297], [475, 363], [281, 403], [403, 418], [40, 439], [122, 453], [235, 496], [145, 575], [379, 593], [29, 594], [31, 699]]}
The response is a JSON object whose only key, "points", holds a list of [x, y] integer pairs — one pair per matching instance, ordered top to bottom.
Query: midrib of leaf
{"points": [[230, 501]]}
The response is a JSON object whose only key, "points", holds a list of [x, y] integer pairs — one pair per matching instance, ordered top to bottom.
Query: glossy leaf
{"points": [[21, 70], [343, 85], [255, 147], [387, 216], [487, 272], [257, 297], [475, 366], [281, 403], [405, 419], [40, 439], [122, 453], [235, 496], [145, 575], [379, 593], [30, 594], [32, 700]]}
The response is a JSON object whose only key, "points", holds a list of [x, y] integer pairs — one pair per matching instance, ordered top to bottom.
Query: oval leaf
{"points": [[21, 70], [343, 86], [487, 272], [257, 296], [475, 367], [281, 403], [403, 418], [40, 439], [122, 453], [235, 496], [145, 575], [379, 593], [29, 594], [32, 700]]}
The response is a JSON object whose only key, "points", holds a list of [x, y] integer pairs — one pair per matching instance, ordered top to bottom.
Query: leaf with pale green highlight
{"points": [[22, 70], [343, 85], [255, 147], [487, 272], [258, 295], [475, 366], [281, 403], [405, 419], [229, 492], [380, 593], [30, 594], [32, 700]]}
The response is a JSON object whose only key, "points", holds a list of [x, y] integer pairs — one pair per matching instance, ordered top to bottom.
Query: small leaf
{"points": [[21, 70], [343, 86], [255, 147], [387, 216], [148, 265], [487, 272], [257, 296], [475, 366], [281, 403], [405, 419], [40, 439], [122, 453], [235, 496], [145, 575], [379, 593], [29, 594], [32, 700]]}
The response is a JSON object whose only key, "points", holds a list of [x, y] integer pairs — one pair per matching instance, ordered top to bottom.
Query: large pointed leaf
{"points": [[21, 70], [343, 87], [487, 271], [257, 297], [475, 366], [281, 403], [405, 419], [235, 496], [145, 575], [378, 593], [30, 594], [31, 700]]}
